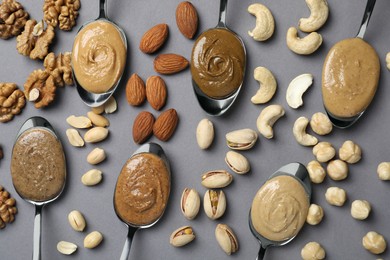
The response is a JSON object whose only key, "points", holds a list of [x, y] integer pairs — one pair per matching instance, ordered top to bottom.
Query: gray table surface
{"points": [[339, 233]]}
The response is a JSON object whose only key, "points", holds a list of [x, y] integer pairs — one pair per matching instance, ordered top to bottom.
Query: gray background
{"points": [[339, 233]]}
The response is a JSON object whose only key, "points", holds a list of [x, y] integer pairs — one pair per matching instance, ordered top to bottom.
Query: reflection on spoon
{"points": [[98, 59], [218, 66], [350, 76], [38, 169], [142, 191], [280, 207]]}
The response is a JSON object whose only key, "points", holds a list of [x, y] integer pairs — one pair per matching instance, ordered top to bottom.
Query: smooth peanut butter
{"points": [[99, 56], [218, 63], [350, 77], [38, 165], [142, 189], [279, 208]]}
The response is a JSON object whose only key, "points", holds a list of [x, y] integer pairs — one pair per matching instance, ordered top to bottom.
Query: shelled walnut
{"points": [[61, 12], [13, 17], [35, 40], [60, 68], [44, 83], [12, 101], [7, 208]]}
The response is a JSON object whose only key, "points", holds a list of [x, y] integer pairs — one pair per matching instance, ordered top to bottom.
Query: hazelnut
{"points": [[321, 124], [324, 151], [350, 152], [337, 170], [383, 171], [316, 172], [335, 196], [360, 209], [315, 214], [374, 242], [312, 251]]}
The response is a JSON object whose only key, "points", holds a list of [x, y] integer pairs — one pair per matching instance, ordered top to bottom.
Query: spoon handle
{"points": [[102, 9], [222, 13], [366, 18], [37, 233], [127, 246], [261, 253]]}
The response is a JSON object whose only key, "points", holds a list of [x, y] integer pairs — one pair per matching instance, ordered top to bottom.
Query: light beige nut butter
{"points": [[99, 56], [218, 63], [350, 77], [38, 166], [142, 189], [280, 208]]}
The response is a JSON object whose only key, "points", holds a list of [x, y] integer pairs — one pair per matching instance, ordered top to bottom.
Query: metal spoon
{"points": [[89, 98], [213, 106], [345, 122], [38, 123], [156, 150], [299, 172]]}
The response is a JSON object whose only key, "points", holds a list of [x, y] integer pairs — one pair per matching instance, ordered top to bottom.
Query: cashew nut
{"points": [[319, 12], [265, 24], [303, 46], [388, 60], [267, 85], [297, 88], [267, 119], [299, 131]]}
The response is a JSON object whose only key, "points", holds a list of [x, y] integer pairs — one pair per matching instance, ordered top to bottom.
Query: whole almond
{"points": [[187, 19], [154, 38], [170, 63], [135, 90], [156, 92], [165, 125], [143, 127]]}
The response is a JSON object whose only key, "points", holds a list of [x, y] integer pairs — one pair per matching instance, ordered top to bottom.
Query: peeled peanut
{"points": [[98, 120], [96, 134], [74, 137], [96, 156], [91, 177], [76, 220], [93, 239], [66, 248]]}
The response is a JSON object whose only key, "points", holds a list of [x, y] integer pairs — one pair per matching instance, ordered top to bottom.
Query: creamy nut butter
{"points": [[98, 56], [218, 63], [350, 77], [38, 165], [142, 189], [279, 208]]}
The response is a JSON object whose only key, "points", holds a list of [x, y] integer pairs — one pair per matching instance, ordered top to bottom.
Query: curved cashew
{"points": [[319, 12], [265, 24], [303, 46], [388, 60], [267, 85], [297, 88], [267, 119], [299, 131]]}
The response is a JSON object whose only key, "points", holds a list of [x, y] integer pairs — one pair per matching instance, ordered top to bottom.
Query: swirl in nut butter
{"points": [[98, 57], [218, 61], [142, 189], [279, 208]]}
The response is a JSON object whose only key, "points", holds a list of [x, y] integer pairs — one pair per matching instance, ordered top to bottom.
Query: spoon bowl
{"points": [[97, 99], [218, 106], [345, 122], [30, 124], [297, 171], [132, 228]]}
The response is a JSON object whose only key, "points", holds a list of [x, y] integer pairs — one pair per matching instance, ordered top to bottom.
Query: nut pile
{"points": [[8, 208]]}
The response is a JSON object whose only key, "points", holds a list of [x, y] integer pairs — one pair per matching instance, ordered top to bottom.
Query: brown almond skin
{"points": [[187, 19], [154, 38], [170, 63], [135, 90], [156, 92], [165, 125], [143, 127]]}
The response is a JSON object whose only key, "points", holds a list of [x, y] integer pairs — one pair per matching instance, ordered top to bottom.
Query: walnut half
{"points": [[62, 12], [13, 17], [33, 42], [60, 68], [44, 82], [12, 101]]}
